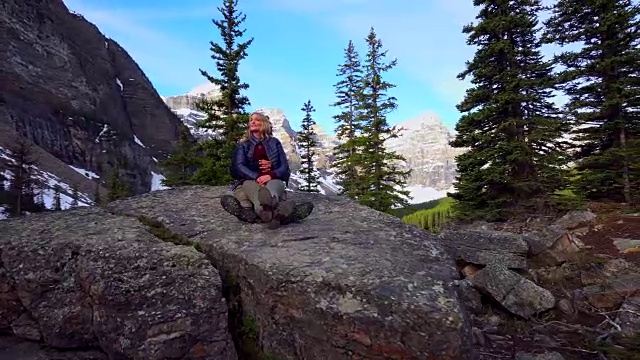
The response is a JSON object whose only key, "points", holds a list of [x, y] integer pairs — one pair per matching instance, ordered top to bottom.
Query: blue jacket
{"points": [[244, 168]]}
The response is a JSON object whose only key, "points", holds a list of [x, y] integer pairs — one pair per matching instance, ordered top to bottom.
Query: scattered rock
{"points": [[575, 219], [540, 241], [626, 245], [482, 247], [553, 247], [615, 266], [470, 269], [94, 281], [308, 286], [611, 292], [515, 293], [469, 297], [565, 306], [629, 316], [25, 327], [478, 337], [15, 348], [545, 356]]}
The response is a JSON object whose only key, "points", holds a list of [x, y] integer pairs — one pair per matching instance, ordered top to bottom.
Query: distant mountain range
{"points": [[424, 142]]}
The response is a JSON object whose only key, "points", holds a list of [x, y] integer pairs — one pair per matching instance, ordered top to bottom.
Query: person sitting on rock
{"points": [[261, 170]]}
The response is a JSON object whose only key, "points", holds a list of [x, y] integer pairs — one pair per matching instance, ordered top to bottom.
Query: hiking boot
{"points": [[267, 203], [232, 205], [283, 211], [300, 211]]}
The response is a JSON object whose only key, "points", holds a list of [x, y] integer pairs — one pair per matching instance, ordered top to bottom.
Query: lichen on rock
{"points": [[89, 279], [346, 282]]}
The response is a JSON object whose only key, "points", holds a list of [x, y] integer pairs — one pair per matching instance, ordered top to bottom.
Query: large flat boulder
{"points": [[89, 281], [346, 283]]}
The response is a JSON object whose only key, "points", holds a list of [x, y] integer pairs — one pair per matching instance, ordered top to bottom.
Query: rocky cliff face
{"points": [[78, 95], [424, 142], [348, 282]]}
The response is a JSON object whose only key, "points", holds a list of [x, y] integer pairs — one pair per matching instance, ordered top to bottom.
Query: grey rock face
{"points": [[63, 83], [424, 142], [482, 247], [87, 279], [347, 282]]}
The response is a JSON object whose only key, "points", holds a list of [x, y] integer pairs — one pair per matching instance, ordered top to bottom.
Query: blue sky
{"points": [[297, 48]]}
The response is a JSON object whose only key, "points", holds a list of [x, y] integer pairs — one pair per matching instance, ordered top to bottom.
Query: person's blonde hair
{"points": [[266, 130]]}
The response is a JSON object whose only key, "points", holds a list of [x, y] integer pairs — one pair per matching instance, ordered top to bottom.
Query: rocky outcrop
{"points": [[65, 86], [89, 282], [113, 282], [332, 287], [536, 290]]}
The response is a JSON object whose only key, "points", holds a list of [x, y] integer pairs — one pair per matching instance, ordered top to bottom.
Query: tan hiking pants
{"points": [[247, 193]]}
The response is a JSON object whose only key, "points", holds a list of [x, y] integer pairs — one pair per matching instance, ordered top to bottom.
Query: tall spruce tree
{"points": [[602, 81], [225, 115], [510, 126], [307, 142], [348, 152], [181, 164], [383, 178], [22, 183], [116, 187], [75, 196], [97, 197], [57, 202]]}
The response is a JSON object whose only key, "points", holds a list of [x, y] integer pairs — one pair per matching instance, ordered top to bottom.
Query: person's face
{"points": [[254, 123]]}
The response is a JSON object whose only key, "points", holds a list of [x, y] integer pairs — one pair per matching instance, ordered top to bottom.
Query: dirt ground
{"points": [[613, 222]]}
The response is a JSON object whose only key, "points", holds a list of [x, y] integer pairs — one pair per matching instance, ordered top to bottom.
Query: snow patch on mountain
{"points": [[206, 89], [86, 173], [156, 182], [45, 183]]}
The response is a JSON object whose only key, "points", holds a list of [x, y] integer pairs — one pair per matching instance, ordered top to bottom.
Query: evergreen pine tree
{"points": [[602, 81], [225, 115], [509, 125], [307, 141], [347, 153], [179, 166], [383, 179], [21, 186], [116, 187], [75, 195], [97, 198], [39, 199], [57, 202]]}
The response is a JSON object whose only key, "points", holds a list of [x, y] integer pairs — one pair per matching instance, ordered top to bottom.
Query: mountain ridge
{"points": [[79, 98]]}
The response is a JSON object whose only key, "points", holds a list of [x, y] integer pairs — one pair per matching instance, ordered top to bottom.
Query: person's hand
{"points": [[265, 165], [262, 180]]}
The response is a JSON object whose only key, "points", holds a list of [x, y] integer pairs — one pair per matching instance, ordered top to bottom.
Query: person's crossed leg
{"points": [[252, 201]]}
